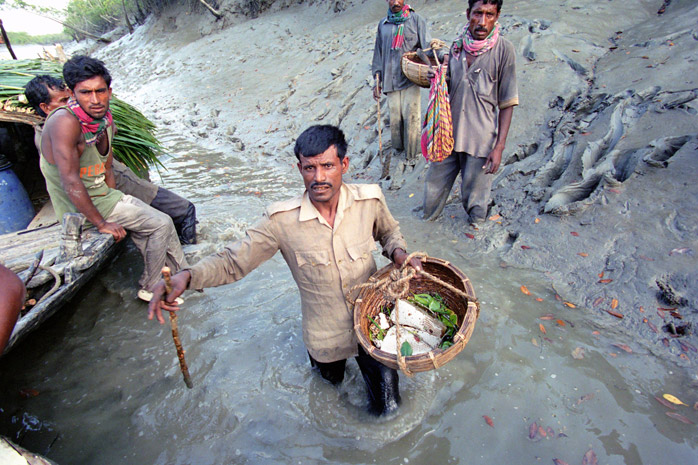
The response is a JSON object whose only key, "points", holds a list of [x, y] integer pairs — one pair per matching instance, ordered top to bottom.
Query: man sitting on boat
{"points": [[46, 93], [76, 161], [326, 235]]}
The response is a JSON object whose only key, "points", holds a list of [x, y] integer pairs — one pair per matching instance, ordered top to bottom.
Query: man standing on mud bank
{"points": [[401, 31], [46, 93], [482, 93], [76, 159], [326, 236]]}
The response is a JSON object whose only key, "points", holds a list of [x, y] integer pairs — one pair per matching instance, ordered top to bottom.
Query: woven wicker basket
{"points": [[415, 69], [370, 301]]}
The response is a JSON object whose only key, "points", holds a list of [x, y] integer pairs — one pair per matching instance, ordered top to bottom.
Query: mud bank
{"points": [[596, 187]]}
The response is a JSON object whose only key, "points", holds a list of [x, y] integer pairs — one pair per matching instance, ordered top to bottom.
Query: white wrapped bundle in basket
{"points": [[419, 329]]}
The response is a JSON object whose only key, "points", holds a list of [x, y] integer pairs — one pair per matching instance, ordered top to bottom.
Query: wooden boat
{"points": [[60, 258], [54, 261], [11, 453]]}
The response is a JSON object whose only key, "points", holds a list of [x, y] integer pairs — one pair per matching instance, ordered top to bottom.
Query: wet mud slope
{"points": [[596, 186]]}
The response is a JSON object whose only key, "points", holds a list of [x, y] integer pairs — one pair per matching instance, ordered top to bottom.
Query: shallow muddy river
{"points": [[100, 384]]}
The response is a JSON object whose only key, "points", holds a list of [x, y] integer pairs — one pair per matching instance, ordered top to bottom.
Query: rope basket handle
{"points": [[436, 44]]}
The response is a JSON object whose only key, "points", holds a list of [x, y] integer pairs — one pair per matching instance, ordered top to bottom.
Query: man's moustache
{"points": [[320, 184]]}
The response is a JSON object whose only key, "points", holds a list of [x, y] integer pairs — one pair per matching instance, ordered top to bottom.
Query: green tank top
{"points": [[92, 174]]}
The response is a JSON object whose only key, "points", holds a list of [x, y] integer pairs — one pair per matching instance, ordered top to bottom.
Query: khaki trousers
{"points": [[406, 120], [154, 235]]}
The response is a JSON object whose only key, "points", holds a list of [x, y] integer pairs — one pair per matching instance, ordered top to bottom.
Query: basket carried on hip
{"points": [[437, 272]]}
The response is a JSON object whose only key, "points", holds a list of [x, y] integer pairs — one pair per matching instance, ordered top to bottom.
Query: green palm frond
{"points": [[135, 144]]}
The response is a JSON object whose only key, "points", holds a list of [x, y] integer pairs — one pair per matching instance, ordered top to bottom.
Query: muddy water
{"points": [[107, 387]]}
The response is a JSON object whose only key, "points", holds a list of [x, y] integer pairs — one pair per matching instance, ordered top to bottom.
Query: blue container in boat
{"points": [[16, 209]]}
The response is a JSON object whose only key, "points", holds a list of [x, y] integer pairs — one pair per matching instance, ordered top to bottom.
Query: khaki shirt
{"points": [[388, 62], [477, 93], [325, 262]]}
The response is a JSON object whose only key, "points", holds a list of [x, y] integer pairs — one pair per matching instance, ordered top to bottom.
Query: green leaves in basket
{"points": [[435, 305], [377, 333], [406, 349]]}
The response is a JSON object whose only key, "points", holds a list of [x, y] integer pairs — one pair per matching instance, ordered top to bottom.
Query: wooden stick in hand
{"points": [[175, 331]]}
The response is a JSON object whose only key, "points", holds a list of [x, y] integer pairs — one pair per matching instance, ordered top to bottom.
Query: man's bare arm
{"points": [[64, 136], [495, 156], [108, 171]]}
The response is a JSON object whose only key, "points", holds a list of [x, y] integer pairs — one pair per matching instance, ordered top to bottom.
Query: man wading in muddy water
{"points": [[401, 31], [482, 92], [46, 93], [76, 158], [326, 237]]}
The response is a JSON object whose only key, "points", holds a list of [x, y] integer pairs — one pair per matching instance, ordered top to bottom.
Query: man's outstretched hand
{"points": [[161, 302]]}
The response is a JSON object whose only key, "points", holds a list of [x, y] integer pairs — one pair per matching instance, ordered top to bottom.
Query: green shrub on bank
{"points": [[101, 16], [22, 38]]}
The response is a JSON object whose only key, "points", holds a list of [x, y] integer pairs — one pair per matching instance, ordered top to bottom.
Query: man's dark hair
{"points": [[471, 3], [81, 68], [36, 91], [317, 139]]}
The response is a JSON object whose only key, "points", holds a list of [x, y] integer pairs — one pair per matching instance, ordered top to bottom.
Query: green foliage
{"points": [[29, 6], [95, 16], [100, 16], [92, 18], [21, 38], [14, 74], [135, 143], [435, 305], [380, 332]]}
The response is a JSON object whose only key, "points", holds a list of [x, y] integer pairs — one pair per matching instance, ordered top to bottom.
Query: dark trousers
{"points": [[475, 186], [182, 212], [382, 382]]}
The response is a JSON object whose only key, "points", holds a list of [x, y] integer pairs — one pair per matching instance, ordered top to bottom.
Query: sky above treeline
{"points": [[15, 20]]}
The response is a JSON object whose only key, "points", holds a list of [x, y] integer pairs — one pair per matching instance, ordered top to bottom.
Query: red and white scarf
{"points": [[465, 41], [92, 128]]}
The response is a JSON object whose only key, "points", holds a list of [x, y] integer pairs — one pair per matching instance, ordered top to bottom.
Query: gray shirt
{"points": [[386, 61], [476, 95]]}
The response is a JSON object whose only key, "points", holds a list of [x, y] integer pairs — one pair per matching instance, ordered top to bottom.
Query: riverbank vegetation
{"points": [[94, 18], [23, 38]]}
